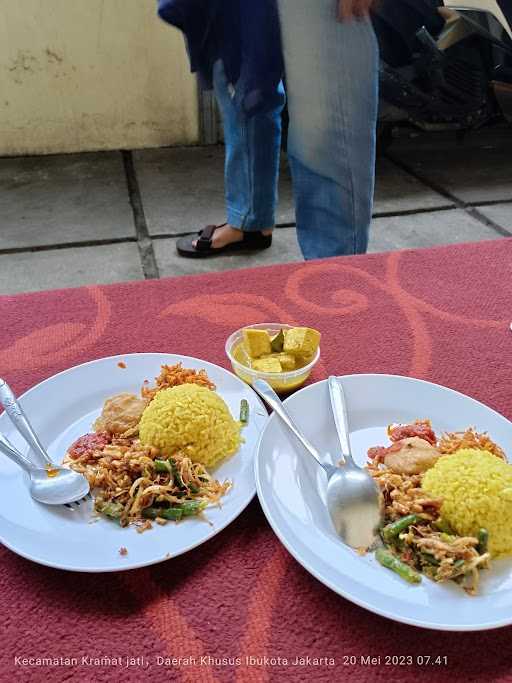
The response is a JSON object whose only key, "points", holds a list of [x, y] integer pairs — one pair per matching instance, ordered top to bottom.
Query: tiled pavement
{"points": [[70, 220]]}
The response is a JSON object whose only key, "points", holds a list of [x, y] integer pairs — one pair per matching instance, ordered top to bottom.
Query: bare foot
{"points": [[227, 234]]}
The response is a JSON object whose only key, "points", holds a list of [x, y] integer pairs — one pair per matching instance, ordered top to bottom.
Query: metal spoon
{"points": [[62, 483], [55, 486], [353, 499], [359, 511]]}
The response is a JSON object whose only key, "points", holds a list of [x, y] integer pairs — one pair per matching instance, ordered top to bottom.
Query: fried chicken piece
{"points": [[121, 415], [415, 456]]}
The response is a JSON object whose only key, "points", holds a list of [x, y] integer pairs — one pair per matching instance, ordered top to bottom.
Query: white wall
{"points": [[92, 74]]}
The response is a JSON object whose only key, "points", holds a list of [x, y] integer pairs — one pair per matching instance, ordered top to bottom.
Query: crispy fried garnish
{"points": [[173, 376], [454, 441], [143, 526]]}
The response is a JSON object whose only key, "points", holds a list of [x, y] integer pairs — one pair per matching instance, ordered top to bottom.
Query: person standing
{"points": [[330, 58]]}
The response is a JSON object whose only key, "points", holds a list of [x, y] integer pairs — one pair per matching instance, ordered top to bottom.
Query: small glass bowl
{"points": [[282, 382]]}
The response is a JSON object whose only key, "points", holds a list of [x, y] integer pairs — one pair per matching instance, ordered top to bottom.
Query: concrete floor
{"points": [[71, 220]]}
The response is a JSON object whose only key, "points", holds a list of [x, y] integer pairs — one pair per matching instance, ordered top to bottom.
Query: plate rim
{"points": [[218, 529], [318, 574]]}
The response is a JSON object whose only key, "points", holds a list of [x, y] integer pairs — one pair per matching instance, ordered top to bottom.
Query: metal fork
{"points": [[25, 429]]}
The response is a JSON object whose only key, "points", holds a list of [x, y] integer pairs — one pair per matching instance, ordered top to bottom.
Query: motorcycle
{"points": [[444, 64]]}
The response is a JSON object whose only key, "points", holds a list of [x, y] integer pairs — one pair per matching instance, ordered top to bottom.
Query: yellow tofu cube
{"points": [[301, 341], [256, 342], [303, 360], [287, 361], [269, 364]]}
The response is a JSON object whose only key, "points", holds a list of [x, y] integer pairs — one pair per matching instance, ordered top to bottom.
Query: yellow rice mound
{"points": [[191, 419], [476, 488]]}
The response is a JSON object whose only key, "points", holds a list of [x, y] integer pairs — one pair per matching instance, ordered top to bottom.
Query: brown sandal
{"points": [[253, 240]]}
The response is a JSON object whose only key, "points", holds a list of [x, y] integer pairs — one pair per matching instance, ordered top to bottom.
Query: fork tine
{"points": [[76, 503]]}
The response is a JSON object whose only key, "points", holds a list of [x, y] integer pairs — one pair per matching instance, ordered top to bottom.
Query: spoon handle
{"points": [[269, 396], [340, 414], [20, 421], [8, 450]]}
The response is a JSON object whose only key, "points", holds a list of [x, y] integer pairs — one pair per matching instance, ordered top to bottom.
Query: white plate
{"points": [[62, 408], [291, 489]]}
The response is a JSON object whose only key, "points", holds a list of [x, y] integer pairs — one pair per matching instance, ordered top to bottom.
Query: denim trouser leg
{"points": [[332, 77], [253, 148]]}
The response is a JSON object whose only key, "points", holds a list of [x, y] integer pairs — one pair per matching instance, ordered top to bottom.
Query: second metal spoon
{"points": [[353, 500], [358, 511]]}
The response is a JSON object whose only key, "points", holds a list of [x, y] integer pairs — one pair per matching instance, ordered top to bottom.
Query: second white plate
{"points": [[291, 489]]}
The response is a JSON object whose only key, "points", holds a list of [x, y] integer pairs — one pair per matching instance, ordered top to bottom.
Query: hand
{"points": [[353, 9]]}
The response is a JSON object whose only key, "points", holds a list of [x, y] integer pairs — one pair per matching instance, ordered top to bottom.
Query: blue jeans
{"points": [[332, 77], [253, 147]]}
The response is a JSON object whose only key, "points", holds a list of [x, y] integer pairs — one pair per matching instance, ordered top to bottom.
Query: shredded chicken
{"points": [[126, 480], [403, 495], [444, 557]]}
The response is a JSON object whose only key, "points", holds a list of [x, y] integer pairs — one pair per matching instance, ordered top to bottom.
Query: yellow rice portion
{"points": [[192, 420], [476, 488]]}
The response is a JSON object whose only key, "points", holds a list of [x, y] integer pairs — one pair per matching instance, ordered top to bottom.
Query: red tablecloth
{"points": [[440, 314]]}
